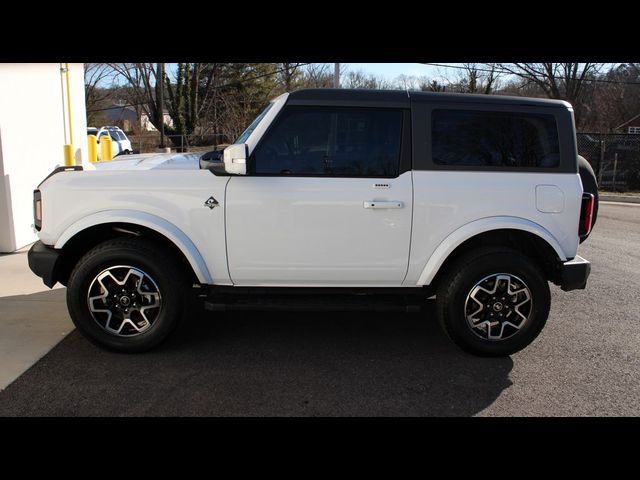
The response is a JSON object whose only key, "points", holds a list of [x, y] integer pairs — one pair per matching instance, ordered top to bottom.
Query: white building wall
{"points": [[33, 130]]}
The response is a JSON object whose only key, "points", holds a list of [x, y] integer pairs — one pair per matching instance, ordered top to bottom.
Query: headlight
{"points": [[37, 209]]}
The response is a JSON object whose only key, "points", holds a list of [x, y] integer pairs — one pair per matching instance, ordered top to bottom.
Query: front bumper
{"points": [[44, 261], [574, 274]]}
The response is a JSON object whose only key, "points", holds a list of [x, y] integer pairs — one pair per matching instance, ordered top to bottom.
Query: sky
{"points": [[391, 70]]}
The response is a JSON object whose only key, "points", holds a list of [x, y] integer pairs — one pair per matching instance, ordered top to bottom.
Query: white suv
{"points": [[121, 143], [332, 199]]}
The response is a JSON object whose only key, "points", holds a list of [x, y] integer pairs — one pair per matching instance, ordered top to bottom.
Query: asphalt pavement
{"points": [[585, 362]]}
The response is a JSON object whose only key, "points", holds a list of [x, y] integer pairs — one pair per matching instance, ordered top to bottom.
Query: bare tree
{"points": [[289, 75], [317, 75], [360, 79], [476, 79], [143, 80], [481, 80], [557, 80], [564, 81], [407, 82], [431, 86], [520, 88], [95, 92], [239, 92], [188, 95], [609, 105]]}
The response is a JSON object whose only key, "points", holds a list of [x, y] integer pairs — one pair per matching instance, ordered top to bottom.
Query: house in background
{"points": [[122, 116], [127, 118], [35, 124], [147, 126], [630, 126]]}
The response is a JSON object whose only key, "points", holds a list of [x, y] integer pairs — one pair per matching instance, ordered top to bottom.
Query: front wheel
{"points": [[127, 294], [493, 302]]}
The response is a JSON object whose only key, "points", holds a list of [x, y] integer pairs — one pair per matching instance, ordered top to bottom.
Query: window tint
{"points": [[494, 139], [332, 141]]}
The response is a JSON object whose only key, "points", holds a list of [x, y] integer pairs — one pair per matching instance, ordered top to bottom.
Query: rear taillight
{"points": [[37, 209], [586, 214]]}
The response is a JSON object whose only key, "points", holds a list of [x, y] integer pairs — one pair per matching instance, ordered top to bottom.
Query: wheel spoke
{"points": [[135, 273], [103, 276], [135, 294], [480, 304], [498, 306], [495, 337]]}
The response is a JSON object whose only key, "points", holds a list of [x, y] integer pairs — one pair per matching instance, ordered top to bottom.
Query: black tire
{"points": [[161, 267], [458, 282]]}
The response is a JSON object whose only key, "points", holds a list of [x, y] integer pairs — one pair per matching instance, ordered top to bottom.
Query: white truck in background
{"points": [[120, 143]]}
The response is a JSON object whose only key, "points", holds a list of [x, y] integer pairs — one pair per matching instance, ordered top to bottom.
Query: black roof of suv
{"points": [[402, 98]]}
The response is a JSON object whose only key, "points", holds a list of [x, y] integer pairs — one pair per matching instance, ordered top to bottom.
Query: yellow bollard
{"points": [[106, 148], [92, 150], [69, 161]]}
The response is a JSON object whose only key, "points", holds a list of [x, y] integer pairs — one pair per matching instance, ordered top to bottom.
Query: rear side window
{"points": [[469, 138], [317, 141]]}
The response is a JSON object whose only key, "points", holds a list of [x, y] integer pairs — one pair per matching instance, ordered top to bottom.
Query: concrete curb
{"points": [[619, 198]]}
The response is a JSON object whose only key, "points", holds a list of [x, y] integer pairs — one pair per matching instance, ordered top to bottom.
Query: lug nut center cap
{"points": [[124, 300], [498, 306]]}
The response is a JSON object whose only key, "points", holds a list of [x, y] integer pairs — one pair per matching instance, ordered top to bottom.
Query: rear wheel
{"points": [[120, 295], [493, 302]]}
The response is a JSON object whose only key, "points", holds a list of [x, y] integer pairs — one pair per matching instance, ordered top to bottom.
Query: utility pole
{"points": [[336, 75], [161, 105]]}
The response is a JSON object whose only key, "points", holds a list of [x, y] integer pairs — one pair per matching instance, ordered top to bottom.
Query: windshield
{"points": [[116, 135], [243, 138]]}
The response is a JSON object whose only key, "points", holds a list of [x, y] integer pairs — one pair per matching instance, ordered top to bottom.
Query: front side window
{"points": [[469, 138], [350, 142]]}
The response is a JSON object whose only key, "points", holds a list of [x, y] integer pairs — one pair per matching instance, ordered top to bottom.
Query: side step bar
{"points": [[302, 303]]}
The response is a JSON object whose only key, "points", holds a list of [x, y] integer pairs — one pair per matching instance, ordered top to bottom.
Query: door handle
{"points": [[372, 204]]}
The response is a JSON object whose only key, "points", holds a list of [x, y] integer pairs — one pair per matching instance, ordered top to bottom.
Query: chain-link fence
{"points": [[150, 141], [615, 158]]}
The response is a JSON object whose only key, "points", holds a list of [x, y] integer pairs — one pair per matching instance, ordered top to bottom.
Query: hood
{"points": [[153, 161]]}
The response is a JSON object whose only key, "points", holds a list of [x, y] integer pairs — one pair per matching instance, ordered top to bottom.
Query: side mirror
{"points": [[235, 159], [213, 161]]}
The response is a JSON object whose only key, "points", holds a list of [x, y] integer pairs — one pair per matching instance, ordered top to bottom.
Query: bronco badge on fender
{"points": [[211, 203]]}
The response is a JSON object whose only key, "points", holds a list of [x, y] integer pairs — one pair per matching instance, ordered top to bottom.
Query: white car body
{"points": [[332, 199], [293, 231], [306, 240]]}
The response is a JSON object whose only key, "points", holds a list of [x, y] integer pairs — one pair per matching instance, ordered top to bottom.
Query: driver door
{"points": [[327, 201]]}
